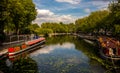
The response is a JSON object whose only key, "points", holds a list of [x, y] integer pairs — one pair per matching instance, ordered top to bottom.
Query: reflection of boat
{"points": [[26, 46], [109, 48], [18, 56]]}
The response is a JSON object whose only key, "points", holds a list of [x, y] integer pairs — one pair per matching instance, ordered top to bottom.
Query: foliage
{"points": [[114, 8], [23, 13], [17, 14], [4, 15], [103, 21], [93, 22], [81, 24], [56, 27], [59, 27], [32, 28], [71, 28], [117, 29], [45, 32], [21, 65], [24, 66]]}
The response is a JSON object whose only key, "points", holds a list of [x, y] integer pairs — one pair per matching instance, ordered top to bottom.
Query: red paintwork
{"points": [[35, 41], [11, 49]]}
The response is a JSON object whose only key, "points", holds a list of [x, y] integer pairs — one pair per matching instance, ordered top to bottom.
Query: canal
{"points": [[60, 54]]}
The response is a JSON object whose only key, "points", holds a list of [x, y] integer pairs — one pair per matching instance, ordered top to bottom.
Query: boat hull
{"points": [[28, 48]]}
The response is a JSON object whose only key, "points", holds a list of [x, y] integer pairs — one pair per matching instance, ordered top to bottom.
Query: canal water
{"points": [[60, 54]]}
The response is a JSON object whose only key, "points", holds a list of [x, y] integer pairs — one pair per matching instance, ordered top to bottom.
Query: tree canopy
{"points": [[16, 15], [93, 22], [59, 27]]}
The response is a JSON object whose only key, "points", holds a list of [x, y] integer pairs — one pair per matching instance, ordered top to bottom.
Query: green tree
{"points": [[114, 8], [15, 14], [23, 14], [4, 15], [96, 20], [93, 23], [81, 24], [33, 27], [56, 27], [71, 28], [117, 29], [45, 32]]}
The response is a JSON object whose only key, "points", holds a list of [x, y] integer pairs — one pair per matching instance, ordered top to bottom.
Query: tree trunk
{"points": [[17, 32]]}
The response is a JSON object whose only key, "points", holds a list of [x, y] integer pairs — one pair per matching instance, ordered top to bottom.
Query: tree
{"points": [[114, 8], [15, 14], [23, 14], [4, 15], [93, 23], [82, 25], [33, 28], [71, 28], [117, 29], [44, 32]]}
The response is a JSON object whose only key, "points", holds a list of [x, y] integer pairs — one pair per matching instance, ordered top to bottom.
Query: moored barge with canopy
{"points": [[109, 48]]}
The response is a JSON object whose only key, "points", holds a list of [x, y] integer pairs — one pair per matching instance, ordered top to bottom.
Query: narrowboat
{"points": [[25, 46], [109, 48]]}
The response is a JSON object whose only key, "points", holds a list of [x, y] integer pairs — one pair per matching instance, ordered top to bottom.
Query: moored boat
{"points": [[25, 46], [109, 48]]}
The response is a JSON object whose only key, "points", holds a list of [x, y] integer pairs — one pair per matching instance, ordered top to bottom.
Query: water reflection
{"points": [[51, 48], [61, 55], [19, 63]]}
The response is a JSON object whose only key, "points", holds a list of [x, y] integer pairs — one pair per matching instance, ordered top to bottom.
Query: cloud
{"points": [[105, 0], [70, 1], [100, 4], [85, 5], [87, 10], [63, 11], [44, 13], [49, 16], [65, 18]]}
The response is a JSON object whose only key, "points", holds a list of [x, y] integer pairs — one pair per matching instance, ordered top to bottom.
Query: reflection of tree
{"points": [[59, 39], [88, 49], [92, 52], [3, 66], [20, 66], [24, 66]]}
